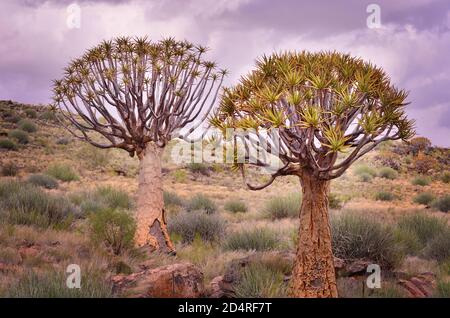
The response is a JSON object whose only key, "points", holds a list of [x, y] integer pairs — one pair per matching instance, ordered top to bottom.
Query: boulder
{"points": [[172, 281], [419, 286]]}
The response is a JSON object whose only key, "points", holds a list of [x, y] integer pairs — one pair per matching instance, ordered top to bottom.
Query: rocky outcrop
{"points": [[172, 281], [419, 286]]}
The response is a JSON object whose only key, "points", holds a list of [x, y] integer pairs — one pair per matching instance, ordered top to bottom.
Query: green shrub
{"points": [[31, 113], [48, 116], [13, 119], [27, 125], [19, 135], [63, 141], [7, 144], [94, 157], [198, 167], [9, 169], [364, 169], [62, 172], [387, 173], [179, 175], [365, 177], [445, 177], [43, 180], [421, 181], [384, 196], [102, 198], [424, 198], [115, 199], [172, 199], [334, 201], [201, 202], [22, 203], [442, 204], [235, 206], [283, 206], [423, 226], [113, 228], [210, 228], [359, 237], [258, 239], [408, 241], [439, 247], [259, 281], [52, 284], [442, 289]]}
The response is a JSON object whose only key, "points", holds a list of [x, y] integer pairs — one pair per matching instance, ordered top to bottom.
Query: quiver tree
{"points": [[137, 95], [322, 111]]}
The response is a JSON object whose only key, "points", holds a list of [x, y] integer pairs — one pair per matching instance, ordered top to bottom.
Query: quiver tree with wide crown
{"points": [[137, 95], [322, 111]]}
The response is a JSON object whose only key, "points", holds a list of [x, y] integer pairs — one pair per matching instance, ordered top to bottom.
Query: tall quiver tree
{"points": [[137, 95], [321, 104]]}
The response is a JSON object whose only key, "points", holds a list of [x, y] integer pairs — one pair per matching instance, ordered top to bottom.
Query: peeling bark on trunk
{"points": [[151, 223], [313, 275]]}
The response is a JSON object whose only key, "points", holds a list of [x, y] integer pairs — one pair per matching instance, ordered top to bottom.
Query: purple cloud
{"points": [[412, 45]]}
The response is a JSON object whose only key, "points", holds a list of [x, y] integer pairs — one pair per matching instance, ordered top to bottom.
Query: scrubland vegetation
{"points": [[63, 203]]}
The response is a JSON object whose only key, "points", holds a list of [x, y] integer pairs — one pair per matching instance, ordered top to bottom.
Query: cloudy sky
{"points": [[412, 43]]}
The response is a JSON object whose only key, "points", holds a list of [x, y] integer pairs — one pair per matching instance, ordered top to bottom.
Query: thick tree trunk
{"points": [[151, 223], [313, 275]]}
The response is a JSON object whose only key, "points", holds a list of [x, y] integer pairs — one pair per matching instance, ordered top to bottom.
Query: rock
{"points": [[338, 264], [357, 267], [172, 281], [419, 286]]}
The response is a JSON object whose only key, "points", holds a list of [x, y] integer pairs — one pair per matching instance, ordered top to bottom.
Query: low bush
{"points": [[31, 113], [48, 116], [13, 118], [27, 125], [19, 135], [63, 141], [7, 144], [93, 156], [197, 167], [9, 169], [364, 169], [62, 172], [387, 173], [365, 177], [445, 177], [43, 180], [421, 181], [384, 196], [102, 198], [424, 198], [172, 199], [334, 201], [201, 202], [23, 203], [442, 204], [235, 206], [283, 206], [423, 226], [113, 228], [210, 228], [356, 236], [258, 239], [439, 247], [259, 281], [52, 284], [442, 289]]}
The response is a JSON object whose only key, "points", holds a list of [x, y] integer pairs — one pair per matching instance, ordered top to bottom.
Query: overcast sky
{"points": [[412, 44]]}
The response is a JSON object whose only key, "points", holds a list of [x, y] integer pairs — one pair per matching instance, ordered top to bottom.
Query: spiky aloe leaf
{"points": [[336, 139]]}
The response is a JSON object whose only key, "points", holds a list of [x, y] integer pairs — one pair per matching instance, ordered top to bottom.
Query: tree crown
{"points": [[130, 92], [322, 104]]}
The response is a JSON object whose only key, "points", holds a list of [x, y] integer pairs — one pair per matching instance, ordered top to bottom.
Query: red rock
{"points": [[172, 281]]}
